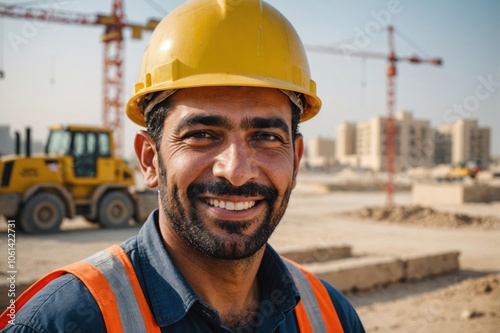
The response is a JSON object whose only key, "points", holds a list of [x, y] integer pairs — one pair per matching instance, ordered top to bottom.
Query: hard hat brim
{"points": [[135, 112]]}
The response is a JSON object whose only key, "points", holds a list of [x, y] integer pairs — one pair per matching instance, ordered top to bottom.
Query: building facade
{"points": [[462, 141], [364, 145], [345, 151], [320, 152]]}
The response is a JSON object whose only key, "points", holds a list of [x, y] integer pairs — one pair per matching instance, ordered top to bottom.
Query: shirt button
{"points": [[207, 314]]}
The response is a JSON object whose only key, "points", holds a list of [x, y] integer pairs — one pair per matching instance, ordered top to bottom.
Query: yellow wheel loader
{"points": [[78, 174]]}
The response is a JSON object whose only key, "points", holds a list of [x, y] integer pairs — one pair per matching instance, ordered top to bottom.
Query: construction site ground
{"points": [[465, 301]]}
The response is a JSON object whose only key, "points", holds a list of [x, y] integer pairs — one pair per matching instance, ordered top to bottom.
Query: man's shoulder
{"points": [[64, 305], [345, 311]]}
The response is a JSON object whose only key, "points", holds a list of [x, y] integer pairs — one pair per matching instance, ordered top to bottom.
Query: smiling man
{"points": [[222, 89], [231, 173]]}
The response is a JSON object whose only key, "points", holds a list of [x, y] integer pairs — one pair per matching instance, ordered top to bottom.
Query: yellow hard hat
{"points": [[224, 43]]}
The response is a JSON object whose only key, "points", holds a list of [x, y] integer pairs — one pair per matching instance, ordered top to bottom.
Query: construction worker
{"points": [[222, 89]]}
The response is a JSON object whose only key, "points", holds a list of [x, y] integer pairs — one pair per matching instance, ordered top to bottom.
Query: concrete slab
{"points": [[453, 193], [317, 254], [418, 267], [361, 273], [365, 273]]}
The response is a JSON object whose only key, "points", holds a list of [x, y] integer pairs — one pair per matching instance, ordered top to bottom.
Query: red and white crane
{"points": [[392, 59]]}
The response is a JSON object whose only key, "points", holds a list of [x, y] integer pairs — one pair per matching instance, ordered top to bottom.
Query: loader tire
{"points": [[115, 210], [43, 213]]}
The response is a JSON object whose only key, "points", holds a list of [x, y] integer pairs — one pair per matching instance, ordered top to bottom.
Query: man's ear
{"points": [[145, 149], [299, 151]]}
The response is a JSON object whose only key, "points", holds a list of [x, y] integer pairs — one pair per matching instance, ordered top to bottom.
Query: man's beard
{"points": [[236, 245]]}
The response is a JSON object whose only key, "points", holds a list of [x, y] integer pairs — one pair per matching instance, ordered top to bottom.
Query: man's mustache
{"points": [[224, 188]]}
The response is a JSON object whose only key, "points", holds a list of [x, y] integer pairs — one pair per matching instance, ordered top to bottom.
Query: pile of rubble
{"points": [[425, 216]]}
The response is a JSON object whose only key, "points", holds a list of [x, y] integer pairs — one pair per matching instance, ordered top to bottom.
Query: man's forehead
{"points": [[225, 94], [232, 102]]}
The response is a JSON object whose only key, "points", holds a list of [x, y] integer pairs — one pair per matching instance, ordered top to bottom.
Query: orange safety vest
{"points": [[111, 279]]}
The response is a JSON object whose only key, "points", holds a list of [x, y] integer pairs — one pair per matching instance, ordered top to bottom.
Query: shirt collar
{"points": [[170, 295]]}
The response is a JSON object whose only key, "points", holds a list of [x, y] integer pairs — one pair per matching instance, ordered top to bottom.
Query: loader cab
{"points": [[84, 145]]}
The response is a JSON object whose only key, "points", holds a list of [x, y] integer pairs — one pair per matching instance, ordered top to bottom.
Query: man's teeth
{"points": [[229, 205]]}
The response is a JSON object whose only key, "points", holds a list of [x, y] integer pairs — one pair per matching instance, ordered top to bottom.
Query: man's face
{"points": [[227, 165]]}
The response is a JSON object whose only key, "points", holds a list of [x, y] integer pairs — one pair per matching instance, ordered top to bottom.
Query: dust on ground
{"points": [[424, 216], [470, 306]]}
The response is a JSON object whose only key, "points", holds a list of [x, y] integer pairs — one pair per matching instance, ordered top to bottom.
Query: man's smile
{"points": [[231, 205]]}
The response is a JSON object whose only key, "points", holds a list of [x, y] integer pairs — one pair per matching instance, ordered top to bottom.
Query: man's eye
{"points": [[198, 135], [201, 135], [269, 137]]}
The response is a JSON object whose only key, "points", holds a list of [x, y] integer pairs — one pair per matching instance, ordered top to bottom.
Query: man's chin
{"points": [[235, 229], [234, 247]]}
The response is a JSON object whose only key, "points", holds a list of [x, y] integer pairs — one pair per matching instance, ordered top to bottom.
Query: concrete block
{"points": [[430, 193], [453, 193], [481, 193], [317, 254], [418, 267], [360, 273], [365, 273]]}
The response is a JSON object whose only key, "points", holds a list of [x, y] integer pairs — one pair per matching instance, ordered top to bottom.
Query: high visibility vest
{"points": [[111, 279]]}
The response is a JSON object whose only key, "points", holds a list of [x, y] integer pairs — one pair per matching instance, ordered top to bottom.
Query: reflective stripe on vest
{"points": [[111, 279], [315, 311], [131, 312]]}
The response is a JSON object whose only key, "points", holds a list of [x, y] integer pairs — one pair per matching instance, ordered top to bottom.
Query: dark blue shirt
{"points": [[66, 305]]}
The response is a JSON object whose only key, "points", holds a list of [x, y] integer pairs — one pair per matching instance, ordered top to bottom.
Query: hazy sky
{"points": [[53, 72]]}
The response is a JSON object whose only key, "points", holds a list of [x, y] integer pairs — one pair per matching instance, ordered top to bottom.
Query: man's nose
{"points": [[236, 163]]}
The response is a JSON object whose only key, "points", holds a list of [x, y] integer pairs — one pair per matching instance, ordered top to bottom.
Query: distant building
{"points": [[6, 141], [462, 141], [414, 142], [346, 144], [363, 144], [442, 145], [320, 152]]}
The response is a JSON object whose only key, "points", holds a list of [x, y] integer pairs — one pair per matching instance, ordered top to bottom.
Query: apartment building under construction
{"points": [[363, 144]]}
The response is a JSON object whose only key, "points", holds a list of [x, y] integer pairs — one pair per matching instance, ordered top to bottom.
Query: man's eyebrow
{"points": [[201, 119], [259, 122]]}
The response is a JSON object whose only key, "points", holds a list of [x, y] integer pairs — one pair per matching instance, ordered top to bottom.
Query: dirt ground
{"points": [[467, 301], [459, 303], [472, 305]]}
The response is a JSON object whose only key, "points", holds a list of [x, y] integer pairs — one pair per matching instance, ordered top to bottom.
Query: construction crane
{"points": [[114, 24], [391, 72]]}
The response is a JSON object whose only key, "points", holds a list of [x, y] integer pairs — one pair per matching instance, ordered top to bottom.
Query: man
{"points": [[222, 89]]}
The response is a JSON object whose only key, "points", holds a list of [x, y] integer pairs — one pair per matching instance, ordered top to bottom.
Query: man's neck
{"points": [[229, 286]]}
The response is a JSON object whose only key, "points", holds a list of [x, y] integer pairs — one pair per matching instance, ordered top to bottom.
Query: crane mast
{"points": [[113, 74], [390, 130]]}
